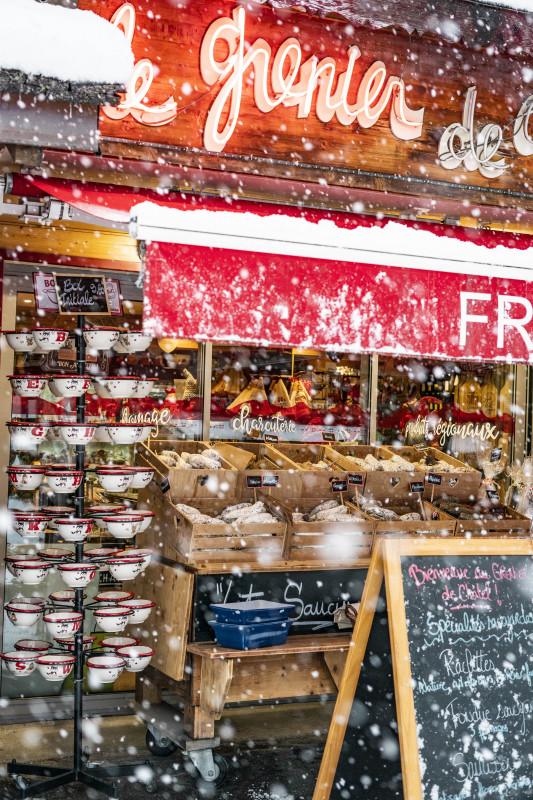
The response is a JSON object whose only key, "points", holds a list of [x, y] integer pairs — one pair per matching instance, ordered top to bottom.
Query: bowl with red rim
{"points": [[50, 338], [101, 338], [20, 341], [135, 341], [28, 385], [69, 385], [121, 386], [100, 387], [144, 387], [147, 430], [77, 432], [125, 432], [101, 433], [25, 435], [142, 477], [26, 479], [115, 479], [63, 481], [106, 509], [53, 512], [147, 517], [30, 524], [123, 526], [74, 529], [139, 552], [55, 553], [101, 554], [10, 561], [125, 568], [31, 572], [77, 575], [112, 596], [64, 597], [34, 600], [140, 609], [23, 615], [112, 619], [63, 623], [69, 642], [112, 643], [34, 645], [136, 656], [20, 662], [55, 666], [104, 669]]}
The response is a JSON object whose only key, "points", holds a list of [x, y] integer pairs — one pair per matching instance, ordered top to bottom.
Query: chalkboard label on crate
{"points": [[81, 294], [328, 437], [271, 438], [421, 446], [496, 454], [355, 479], [270, 480], [434, 480], [254, 481], [165, 485], [339, 486], [416, 487], [493, 496]]}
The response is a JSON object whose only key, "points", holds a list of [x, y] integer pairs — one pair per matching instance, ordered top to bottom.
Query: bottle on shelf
{"points": [[489, 396]]}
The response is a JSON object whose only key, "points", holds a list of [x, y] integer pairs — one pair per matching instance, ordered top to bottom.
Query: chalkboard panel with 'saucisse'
{"points": [[81, 294]]}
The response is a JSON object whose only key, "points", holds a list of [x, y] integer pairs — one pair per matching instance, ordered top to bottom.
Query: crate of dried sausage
{"points": [[262, 461], [317, 466], [189, 469], [386, 474], [456, 478], [409, 517], [484, 517]]}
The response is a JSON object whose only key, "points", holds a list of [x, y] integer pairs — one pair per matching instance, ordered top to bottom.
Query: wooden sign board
{"points": [[81, 294], [460, 620]]}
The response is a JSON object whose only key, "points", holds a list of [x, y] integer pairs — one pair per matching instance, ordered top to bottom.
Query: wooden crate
{"points": [[240, 456], [314, 482], [188, 483], [464, 485], [392, 486], [436, 524], [514, 524]]}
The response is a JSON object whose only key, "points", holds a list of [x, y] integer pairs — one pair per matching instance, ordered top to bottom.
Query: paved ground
{"points": [[270, 755]]}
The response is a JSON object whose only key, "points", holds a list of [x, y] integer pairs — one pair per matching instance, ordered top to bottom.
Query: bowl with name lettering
{"points": [[50, 338], [101, 338], [20, 341], [135, 341], [28, 385], [69, 385], [100, 387], [121, 387], [144, 387], [77, 432], [125, 432], [25, 435], [141, 478], [26, 479], [115, 479], [64, 481], [147, 517], [29, 524], [123, 526], [74, 529], [139, 552], [55, 554], [11, 560], [125, 569], [30, 572], [77, 575], [112, 596], [140, 609], [23, 615], [112, 619], [63, 623], [69, 642], [112, 643], [34, 645], [136, 656], [19, 662], [55, 667], [104, 669]]}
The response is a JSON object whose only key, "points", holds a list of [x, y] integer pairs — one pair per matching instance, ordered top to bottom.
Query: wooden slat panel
{"points": [[294, 644]]}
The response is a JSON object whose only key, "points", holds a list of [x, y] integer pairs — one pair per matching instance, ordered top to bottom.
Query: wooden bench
{"points": [[216, 663]]}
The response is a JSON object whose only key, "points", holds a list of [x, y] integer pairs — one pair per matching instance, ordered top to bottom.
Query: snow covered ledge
{"points": [[61, 53]]}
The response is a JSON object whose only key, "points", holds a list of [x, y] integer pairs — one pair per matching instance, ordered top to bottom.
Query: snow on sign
{"points": [[460, 630]]}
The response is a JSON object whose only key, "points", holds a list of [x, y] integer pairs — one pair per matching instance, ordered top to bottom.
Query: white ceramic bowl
{"points": [[50, 338], [101, 338], [20, 341], [135, 341], [28, 385], [69, 385], [100, 387], [121, 387], [144, 387], [147, 430], [77, 432], [125, 432], [101, 433], [25, 435], [141, 477], [26, 479], [118, 479], [64, 481], [105, 510], [147, 517], [29, 524], [123, 526], [74, 529], [140, 552], [55, 554], [101, 554], [10, 561], [125, 569], [31, 572], [77, 575], [112, 596], [63, 597], [34, 600], [141, 609], [23, 615], [112, 619], [63, 623], [69, 642], [112, 643], [35, 646], [136, 656], [19, 662], [55, 667], [104, 669]]}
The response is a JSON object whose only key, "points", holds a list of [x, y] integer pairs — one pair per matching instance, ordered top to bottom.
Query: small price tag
{"points": [[328, 437], [271, 438], [421, 446], [496, 454], [355, 479], [270, 480], [435, 480], [254, 481], [165, 485], [339, 486], [416, 487], [493, 496]]}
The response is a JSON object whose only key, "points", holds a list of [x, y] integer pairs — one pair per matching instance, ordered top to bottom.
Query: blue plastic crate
{"points": [[252, 611], [251, 637]]}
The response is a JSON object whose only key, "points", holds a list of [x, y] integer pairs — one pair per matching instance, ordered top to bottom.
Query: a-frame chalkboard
{"points": [[460, 621]]}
